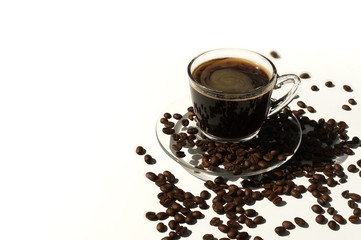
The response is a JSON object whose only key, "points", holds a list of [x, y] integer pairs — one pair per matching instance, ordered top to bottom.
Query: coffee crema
{"points": [[230, 118]]}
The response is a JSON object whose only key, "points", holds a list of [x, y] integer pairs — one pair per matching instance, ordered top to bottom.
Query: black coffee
{"points": [[225, 117]]}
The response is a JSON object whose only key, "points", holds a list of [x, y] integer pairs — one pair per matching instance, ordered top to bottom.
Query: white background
{"points": [[82, 83]]}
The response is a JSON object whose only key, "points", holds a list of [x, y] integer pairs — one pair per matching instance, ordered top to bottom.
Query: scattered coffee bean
{"points": [[274, 54], [305, 75], [329, 84], [314, 88], [347, 88], [352, 101], [301, 104], [346, 107], [311, 109], [167, 115], [177, 116], [185, 122], [140, 150], [148, 159], [352, 168], [151, 176], [354, 196], [351, 203], [317, 209], [331, 210], [357, 211], [152, 216], [338, 218], [320, 219], [354, 219], [300, 222], [288, 225], [333, 225], [161, 227], [223, 228], [281, 231], [232, 233], [208, 237], [257, 238]]}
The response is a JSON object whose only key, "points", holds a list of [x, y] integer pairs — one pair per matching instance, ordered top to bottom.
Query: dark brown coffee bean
{"points": [[274, 54], [305, 75], [329, 84], [314, 88], [347, 88], [352, 101], [301, 104], [346, 107], [311, 109], [167, 115], [177, 116], [185, 122], [169, 124], [168, 131], [140, 150], [180, 154], [148, 159], [352, 168], [151, 176], [331, 182], [346, 194], [205, 195], [354, 196], [277, 200], [351, 203], [317, 209], [331, 210], [357, 211], [250, 213], [197, 214], [162, 215], [152, 216], [179, 218], [338, 218], [190, 219], [320, 219], [354, 219], [258, 220], [215, 221], [300, 222], [233, 223], [173, 224], [288, 225], [333, 225], [161, 227], [223, 228], [181, 230], [281, 231], [232, 233], [208, 237], [257, 238]]}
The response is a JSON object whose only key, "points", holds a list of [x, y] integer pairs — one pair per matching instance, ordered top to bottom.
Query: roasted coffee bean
{"points": [[274, 54], [305, 75], [329, 84], [314, 88], [347, 88], [352, 101], [301, 104], [346, 107], [311, 109], [167, 115], [177, 116], [185, 122], [169, 124], [168, 131], [140, 150], [180, 154], [148, 159], [352, 168], [151, 176], [331, 182], [205, 194], [346, 194], [354, 196], [351, 203], [317, 209], [331, 210], [357, 211], [250, 213], [162, 215], [152, 216], [179, 218], [242, 218], [338, 218], [190, 219], [320, 219], [354, 219], [258, 220], [300, 222], [250, 223], [173, 224], [233, 224], [288, 224], [333, 225], [161, 227], [223, 228], [181, 230], [281, 231], [232, 233], [242, 236], [208, 237], [257, 238]]}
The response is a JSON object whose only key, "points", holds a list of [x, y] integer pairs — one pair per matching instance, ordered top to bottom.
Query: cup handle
{"points": [[279, 104]]}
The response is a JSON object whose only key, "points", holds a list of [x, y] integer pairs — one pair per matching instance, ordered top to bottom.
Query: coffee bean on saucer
{"points": [[305, 75], [329, 84], [352, 101], [346, 107], [177, 116], [185, 122]]}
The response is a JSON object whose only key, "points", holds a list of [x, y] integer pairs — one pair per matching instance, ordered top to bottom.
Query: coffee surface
{"points": [[231, 75]]}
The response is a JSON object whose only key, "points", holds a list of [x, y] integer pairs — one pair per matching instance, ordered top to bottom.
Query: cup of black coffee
{"points": [[232, 90]]}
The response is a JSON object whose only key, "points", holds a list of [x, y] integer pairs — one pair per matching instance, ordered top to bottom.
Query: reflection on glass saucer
{"points": [[206, 159]]}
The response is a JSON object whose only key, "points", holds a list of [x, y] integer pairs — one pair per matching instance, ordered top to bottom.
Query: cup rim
{"points": [[232, 95]]}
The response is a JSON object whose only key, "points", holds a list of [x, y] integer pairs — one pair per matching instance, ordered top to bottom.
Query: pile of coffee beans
{"points": [[323, 141]]}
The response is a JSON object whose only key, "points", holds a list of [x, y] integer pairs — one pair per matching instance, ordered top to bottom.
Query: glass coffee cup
{"points": [[231, 90]]}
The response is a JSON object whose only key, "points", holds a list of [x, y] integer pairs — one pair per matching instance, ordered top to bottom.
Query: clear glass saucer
{"points": [[193, 155]]}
